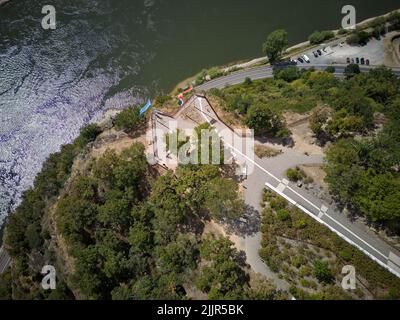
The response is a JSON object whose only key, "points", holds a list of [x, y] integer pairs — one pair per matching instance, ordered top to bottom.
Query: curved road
{"points": [[267, 72]]}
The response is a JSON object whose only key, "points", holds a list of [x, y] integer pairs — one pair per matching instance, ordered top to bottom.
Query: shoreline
{"points": [[3, 2], [292, 50]]}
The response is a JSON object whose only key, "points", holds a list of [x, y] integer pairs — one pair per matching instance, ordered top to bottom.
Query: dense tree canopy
{"points": [[275, 45]]}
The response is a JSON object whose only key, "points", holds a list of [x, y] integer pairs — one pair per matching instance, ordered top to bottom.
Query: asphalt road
{"points": [[263, 72]]}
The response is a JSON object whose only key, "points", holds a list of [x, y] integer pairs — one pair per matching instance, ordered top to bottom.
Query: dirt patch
{"points": [[391, 43], [230, 118], [303, 137], [114, 140], [263, 151], [317, 174]]}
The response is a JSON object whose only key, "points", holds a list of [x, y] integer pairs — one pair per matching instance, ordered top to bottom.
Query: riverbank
{"points": [[3, 2], [294, 50]]}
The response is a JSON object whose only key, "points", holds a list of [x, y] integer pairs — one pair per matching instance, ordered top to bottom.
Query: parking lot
{"points": [[337, 53]]}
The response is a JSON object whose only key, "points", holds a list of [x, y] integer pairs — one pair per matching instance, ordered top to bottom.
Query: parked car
{"points": [[341, 44], [324, 49], [319, 52], [315, 54], [306, 58], [300, 59], [348, 60], [352, 60], [357, 60], [362, 61], [294, 62], [367, 62]]}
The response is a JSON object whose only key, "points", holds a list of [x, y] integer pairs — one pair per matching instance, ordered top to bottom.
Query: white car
{"points": [[306, 58]]}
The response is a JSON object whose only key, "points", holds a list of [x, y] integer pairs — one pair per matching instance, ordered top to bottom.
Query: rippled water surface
{"points": [[114, 53]]}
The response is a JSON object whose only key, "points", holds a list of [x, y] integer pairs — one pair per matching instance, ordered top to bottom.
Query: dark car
{"points": [[319, 52], [315, 54], [300, 59], [348, 60], [357, 60], [362, 61], [367, 62]]}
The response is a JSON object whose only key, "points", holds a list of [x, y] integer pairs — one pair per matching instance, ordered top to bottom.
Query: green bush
{"points": [[318, 37], [358, 38], [330, 69], [129, 119], [87, 134], [294, 174], [283, 215], [322, 272]]}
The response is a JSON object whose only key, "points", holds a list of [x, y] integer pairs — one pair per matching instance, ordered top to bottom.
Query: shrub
{"points": [[320, 36], [358, 38], [330, 69], [351, 70], [214, 72], [288, 74], [247, 81], [161, 100], [129, 119], [87, 134], [294, 174], [283, 215], [322, 272]]}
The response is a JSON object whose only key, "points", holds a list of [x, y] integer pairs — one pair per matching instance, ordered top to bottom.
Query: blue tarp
{"points": [[145, 107]]}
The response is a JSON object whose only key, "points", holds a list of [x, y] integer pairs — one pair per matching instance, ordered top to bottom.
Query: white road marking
{"points": [[285, 182], [281, 187], [394, 258], [393, 266]]}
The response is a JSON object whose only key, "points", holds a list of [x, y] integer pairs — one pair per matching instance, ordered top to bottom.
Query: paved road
{"points": [[266, 72], [264, 175], [4, 260]]}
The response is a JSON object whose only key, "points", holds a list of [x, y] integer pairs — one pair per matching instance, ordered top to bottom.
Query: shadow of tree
{"points": [[247, 225]]}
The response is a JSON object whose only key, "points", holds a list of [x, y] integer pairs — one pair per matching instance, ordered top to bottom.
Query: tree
{"points": [[275, 45], [351, 70], [288, 74], [264, 120], [318, 120], [343, 169], [378, 196], [223, 200], [140, 238], [178, 256], [221, 277], [6, 285]]}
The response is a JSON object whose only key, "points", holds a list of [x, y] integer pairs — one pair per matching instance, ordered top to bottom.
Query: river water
{"points": [[113, 53]]}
